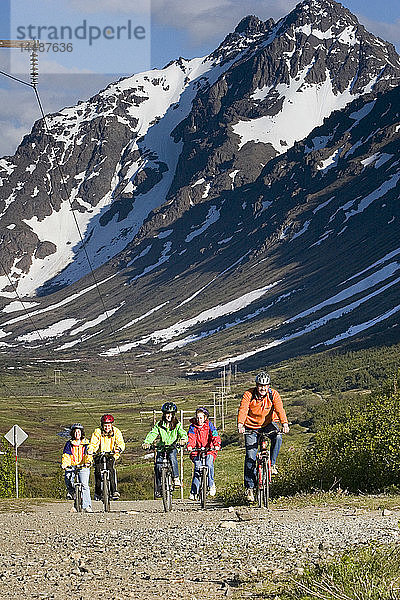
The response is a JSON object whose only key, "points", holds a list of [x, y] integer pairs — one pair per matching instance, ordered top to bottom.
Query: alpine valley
{"points": [[241, 207]]}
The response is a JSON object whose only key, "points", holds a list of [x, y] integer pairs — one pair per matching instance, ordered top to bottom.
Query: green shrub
{"points": [[357, 448], [7, 474], [38, 485], [232, 495], [371, 573]]}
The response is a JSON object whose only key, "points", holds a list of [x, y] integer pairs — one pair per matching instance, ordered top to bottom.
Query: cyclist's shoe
{"points": [[274, 470], [177, 482], [213, 490], [250, 494], [157, 495], [70, 496], [116, 496], [192, 497], [97, 498], [73, 509], [88, 509]]}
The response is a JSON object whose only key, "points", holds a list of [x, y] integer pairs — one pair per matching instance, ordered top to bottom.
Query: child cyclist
{"points": [[169, 431], [202, 434], [106, 438], [75, 454]]}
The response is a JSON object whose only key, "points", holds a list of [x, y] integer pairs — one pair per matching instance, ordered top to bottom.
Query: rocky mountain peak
{"points": [[252, 24]]}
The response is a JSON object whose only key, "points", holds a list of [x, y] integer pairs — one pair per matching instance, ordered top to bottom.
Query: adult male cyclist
{"points": [[260, 411], [106, 438]]}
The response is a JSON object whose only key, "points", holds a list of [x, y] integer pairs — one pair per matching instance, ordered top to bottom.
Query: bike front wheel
{"points": [[266, 475], [260, 484], [203, 487], [166, 489], [106, 494], [78, 498]]}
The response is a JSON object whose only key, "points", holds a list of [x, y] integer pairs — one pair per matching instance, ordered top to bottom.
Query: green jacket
{"points": [[167, 436]]}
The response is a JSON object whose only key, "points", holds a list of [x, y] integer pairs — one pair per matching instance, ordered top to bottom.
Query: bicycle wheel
{"points": [[266, 479], [260, 484], [154, 485], [203, 487], [166, 489], [106, 493], [78, 498]]}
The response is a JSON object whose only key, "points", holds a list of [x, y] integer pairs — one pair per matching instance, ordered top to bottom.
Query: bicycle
{"points": [[202, 454], [264, 470], [167, 476], [105, 480], [78, 490]]}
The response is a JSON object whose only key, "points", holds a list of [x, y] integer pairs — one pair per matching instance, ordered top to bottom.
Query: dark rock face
{"points": [[273, 161]]}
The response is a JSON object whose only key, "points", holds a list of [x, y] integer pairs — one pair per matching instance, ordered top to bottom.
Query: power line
{"points": [[83, 244], [41, 338]]}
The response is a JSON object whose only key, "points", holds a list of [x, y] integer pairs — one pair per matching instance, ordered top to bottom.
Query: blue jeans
{"points": [[251, 437], [173, 459], [197, 473], [83, 477]]}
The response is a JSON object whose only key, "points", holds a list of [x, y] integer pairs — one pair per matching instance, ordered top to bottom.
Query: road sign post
{"points": [[15, 437]]}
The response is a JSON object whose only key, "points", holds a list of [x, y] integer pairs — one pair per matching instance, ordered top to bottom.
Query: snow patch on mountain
{"points": [[304, 107], [212, 217], [370, 281], [180, 327]]}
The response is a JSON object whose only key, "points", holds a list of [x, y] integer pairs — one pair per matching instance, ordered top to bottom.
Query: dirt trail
{"points": [[137, 551]]}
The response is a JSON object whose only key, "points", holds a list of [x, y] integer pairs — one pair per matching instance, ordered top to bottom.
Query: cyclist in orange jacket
{"points": [[260, 411]]}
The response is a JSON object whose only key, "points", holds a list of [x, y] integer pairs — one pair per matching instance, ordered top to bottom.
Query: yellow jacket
{"points": [[102, 442], [75, 455]]}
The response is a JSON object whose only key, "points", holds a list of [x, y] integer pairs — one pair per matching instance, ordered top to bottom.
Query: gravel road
{"points": [[137, 551]]}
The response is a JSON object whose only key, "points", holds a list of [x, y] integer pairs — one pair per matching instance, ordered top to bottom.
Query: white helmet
{"points": [[263, 378]]}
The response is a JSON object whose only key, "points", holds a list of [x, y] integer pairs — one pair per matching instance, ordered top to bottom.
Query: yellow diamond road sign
{"points": [[16, 436]]}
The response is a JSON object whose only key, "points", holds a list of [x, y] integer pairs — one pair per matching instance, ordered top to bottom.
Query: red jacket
{"points": [[255, 412], [205, 436]]}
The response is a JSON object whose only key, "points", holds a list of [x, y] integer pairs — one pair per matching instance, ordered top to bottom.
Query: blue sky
{"points": [[172, 28]]}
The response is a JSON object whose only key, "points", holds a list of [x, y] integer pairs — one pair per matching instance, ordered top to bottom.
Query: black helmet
{"points": [[263, 378], [169, 407], [203, 410], [74, 427]]}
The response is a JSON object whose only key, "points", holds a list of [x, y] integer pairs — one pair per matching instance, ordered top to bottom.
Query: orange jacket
{"points": [[255, 412]]}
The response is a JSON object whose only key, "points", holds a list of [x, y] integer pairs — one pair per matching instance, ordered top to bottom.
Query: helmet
{"points": [[263, 378], [169, 407], [203, 410], [107, 419], [74, 427]]}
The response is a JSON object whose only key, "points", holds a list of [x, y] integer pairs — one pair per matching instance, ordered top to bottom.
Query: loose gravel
{"points": [[137, 551]]}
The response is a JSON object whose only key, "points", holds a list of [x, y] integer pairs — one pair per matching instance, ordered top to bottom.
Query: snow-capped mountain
{"points": [[237, 207]]}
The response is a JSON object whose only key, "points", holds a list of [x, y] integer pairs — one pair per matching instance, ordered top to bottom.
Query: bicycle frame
{"points": [[264, 473], [203, 476], [167, 479], [105, 481], [78, 490], [203, 490]]}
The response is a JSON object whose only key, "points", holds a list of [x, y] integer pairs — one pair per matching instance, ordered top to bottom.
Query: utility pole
{"points": [[30, 45], [228, 379]]}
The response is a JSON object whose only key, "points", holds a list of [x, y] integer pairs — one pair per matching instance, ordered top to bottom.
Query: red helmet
{"points": [[107, 419]]}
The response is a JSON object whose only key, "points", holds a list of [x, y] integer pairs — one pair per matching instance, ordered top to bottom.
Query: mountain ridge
{"points": [[210, 186]]}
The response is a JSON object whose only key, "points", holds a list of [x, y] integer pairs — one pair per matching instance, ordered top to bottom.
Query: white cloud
{"points": [[209, 20], [203, 21]]}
